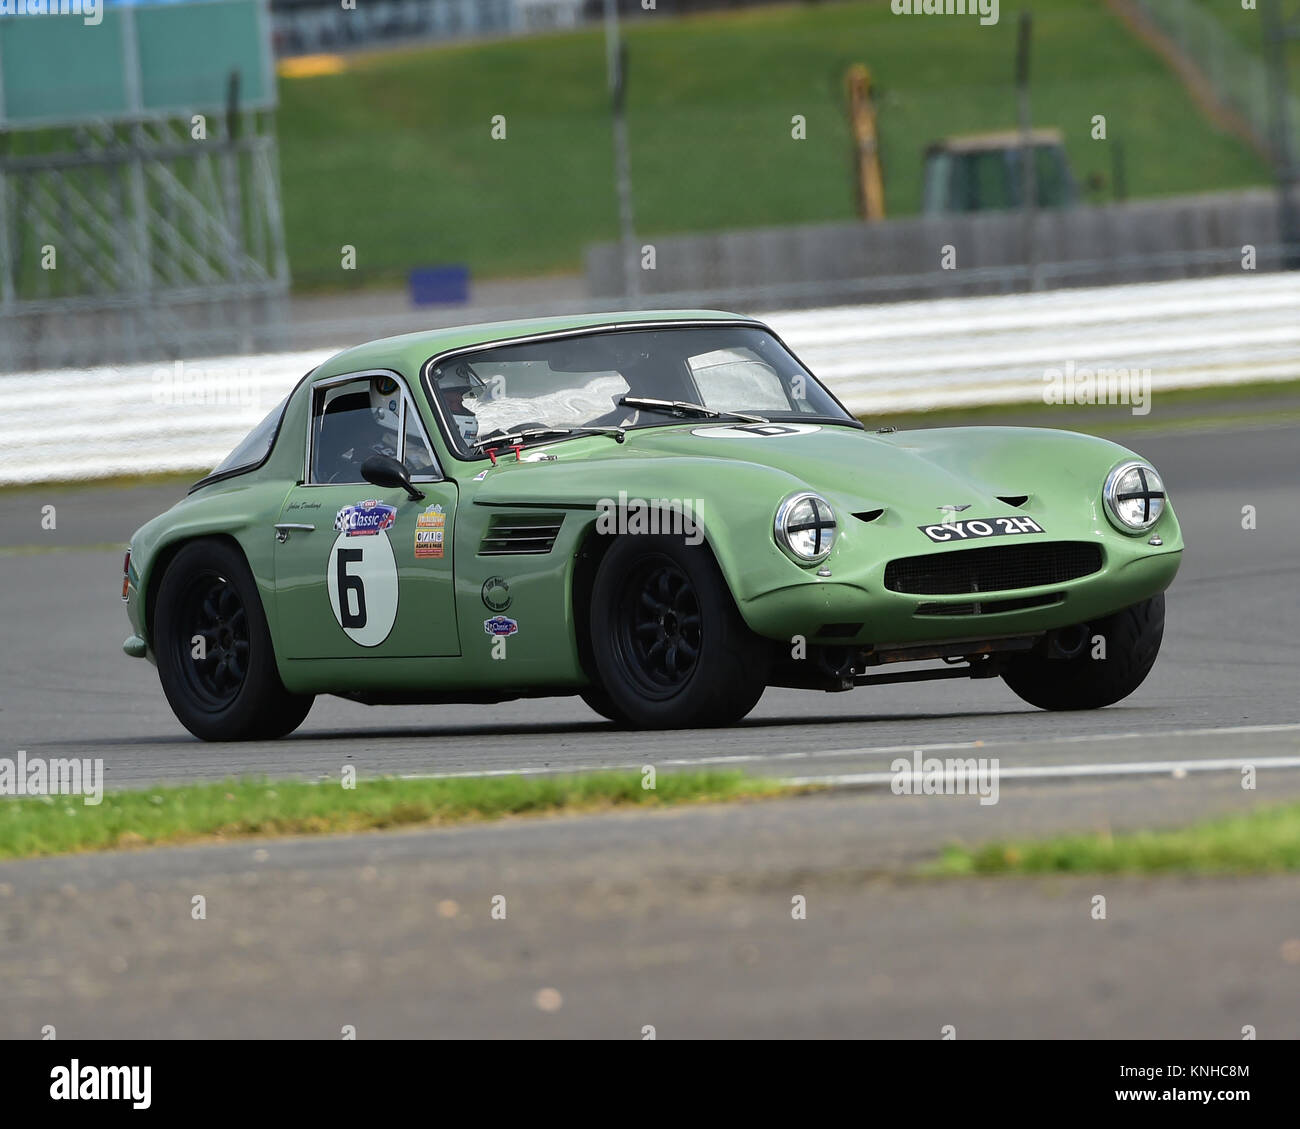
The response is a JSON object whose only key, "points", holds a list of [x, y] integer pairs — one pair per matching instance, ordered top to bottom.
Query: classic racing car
{"points": [[664, 513]]}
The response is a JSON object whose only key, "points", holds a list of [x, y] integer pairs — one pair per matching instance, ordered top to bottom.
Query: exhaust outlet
{"points": [[1067, 642]]}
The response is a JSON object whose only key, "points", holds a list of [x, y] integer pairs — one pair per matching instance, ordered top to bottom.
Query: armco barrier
{"points": [[906, 356]]}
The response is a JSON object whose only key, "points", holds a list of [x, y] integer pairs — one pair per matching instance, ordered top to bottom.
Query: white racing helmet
{"points": [[386, 405]]}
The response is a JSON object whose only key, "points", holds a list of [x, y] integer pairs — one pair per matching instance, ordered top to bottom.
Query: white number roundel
{"points": [[755, 430], [362, 581]]}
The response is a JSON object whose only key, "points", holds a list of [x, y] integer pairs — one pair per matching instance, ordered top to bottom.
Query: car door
{"points": [[363, 570]]}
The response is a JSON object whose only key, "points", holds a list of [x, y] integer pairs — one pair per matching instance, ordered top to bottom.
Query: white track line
{"points": [[950, 746], [1060, 772]]}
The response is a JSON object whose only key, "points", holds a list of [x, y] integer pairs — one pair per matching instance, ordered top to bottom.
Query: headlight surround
{"points": [[1135, 496], [805, 527]]}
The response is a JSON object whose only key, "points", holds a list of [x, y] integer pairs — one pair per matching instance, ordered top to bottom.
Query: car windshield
{"points": [[564, 383]]}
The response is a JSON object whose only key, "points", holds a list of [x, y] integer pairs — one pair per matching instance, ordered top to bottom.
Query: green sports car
{"points": [[664, 513]]}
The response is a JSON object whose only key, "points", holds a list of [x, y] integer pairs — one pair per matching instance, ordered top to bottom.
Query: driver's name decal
{"points": [[978, 528]]}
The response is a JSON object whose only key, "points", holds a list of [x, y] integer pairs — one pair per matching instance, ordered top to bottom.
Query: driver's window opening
{"points": [[353, 421]]}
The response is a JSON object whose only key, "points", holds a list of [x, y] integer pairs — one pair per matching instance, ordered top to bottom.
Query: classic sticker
{"points": [[365, 519], [429, 528], [978, 528], [361, 573], [500, 625]]}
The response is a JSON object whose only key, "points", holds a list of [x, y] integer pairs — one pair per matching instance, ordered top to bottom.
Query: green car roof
{"points": [[408, 351]]}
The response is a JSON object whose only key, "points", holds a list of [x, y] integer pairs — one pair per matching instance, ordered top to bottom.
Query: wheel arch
{"points": [[593, 545], [162, 561]]}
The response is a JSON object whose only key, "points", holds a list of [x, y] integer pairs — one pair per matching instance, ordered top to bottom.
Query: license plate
{"points": [[980, 528]]}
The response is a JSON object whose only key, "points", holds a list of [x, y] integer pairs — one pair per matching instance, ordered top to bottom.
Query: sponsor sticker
{"points": [[365, 519], [429, 528], [979, 528], [496, 594], [500, 625]]}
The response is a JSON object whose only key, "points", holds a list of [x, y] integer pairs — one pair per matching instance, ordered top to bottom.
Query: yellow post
{"points": [[869, 180]]}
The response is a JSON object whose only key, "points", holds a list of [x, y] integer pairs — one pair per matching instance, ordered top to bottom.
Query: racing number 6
{"points": [[349, 584]]}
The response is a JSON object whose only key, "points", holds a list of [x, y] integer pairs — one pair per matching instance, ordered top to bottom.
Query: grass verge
{"points": [[239, 809], [1266, 841]]}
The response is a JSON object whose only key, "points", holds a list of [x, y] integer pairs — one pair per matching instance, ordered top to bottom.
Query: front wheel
{"points": [[671, 650], [1117, 655], [215, 659]]}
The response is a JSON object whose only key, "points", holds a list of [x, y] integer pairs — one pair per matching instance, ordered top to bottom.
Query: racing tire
{"points": [[1132, 639], [670, 648], [232, 691], [598, 701]]}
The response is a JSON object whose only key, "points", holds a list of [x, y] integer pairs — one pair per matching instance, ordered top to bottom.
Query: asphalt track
{"points": [[1226, 685], [680, 919]]}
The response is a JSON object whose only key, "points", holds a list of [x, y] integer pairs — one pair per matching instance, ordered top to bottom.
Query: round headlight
{"points": [[1135, 497], [805, 527]]}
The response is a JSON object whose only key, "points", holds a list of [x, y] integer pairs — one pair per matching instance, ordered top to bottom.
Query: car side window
{"points": [[355, 419], [350, 422], [416, 455]]}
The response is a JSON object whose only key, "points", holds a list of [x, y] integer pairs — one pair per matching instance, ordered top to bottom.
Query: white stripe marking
{"points": [[816, 754], [1050, 772]]}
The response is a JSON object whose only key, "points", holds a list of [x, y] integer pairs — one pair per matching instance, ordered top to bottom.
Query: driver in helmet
{"points": [[386, 411]]}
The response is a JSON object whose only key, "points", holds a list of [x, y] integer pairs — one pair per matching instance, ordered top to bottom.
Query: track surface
{"points": [[1229, 660], [679, 919]]}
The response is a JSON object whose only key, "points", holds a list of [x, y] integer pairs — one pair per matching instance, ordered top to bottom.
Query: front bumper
{"points": [[860, 610]]}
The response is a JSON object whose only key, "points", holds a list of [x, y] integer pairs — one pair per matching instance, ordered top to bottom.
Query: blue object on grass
{"points": [[432, 286]]}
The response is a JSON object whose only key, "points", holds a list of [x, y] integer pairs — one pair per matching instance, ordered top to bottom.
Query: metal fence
{"points": [[1240, 76]]}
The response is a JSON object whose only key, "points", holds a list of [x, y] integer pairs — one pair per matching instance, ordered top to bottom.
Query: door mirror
{"points": [[384, 470]]}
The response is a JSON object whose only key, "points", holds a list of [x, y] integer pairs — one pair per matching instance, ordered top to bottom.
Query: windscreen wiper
{"points": [[685, 408], [512, 438]]}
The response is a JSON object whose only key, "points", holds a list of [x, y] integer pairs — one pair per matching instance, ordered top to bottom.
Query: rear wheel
{"points": [[1131, 642], [670, 647], [215, 659]]}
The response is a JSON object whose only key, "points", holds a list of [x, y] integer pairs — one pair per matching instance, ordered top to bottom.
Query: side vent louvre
{"points": [[1013, 499], [868, 515], [520, 534]]}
